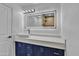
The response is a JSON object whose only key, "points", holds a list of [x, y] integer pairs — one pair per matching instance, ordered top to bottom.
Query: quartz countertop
{"points": [[41, 40]]}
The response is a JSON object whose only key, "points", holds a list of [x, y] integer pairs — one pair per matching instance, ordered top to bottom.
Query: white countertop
{"points": [[47, 39], [40, 40]]}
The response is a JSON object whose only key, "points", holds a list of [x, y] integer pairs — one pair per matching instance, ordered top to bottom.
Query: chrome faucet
{"points": [[28, 31]]}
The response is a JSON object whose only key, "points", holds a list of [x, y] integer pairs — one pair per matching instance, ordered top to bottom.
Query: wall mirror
{"points": [[42, 20]]}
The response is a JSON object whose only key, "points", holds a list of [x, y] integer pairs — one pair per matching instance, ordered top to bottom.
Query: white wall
{"points": [[44, 7], [17, 17], [17, 21], [70, 23]]}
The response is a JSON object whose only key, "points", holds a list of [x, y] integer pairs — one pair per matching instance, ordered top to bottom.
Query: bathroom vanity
{"points": [[39, 46]]}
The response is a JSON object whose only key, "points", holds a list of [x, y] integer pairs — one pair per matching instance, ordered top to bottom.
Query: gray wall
{"points": [[70, 23]]}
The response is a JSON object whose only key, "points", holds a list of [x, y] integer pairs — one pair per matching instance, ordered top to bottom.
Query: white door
{"points": [[6, 43]]}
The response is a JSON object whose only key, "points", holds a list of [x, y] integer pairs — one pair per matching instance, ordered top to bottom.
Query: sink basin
{"points": [[22, 35]]}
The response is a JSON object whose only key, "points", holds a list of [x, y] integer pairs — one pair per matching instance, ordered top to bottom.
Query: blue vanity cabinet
{"points": [[20, 49], [25, 49], [38, 50], [57, 52]]}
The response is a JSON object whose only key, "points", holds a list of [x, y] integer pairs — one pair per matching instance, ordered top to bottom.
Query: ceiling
{"points": [[26, 4], [20, 5], [36, 6]]}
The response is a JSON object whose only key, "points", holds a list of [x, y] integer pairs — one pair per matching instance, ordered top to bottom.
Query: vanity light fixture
{"points": [[29, 11]]}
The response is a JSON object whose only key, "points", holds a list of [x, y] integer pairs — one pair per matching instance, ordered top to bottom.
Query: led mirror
{"points": [[45, 20]]}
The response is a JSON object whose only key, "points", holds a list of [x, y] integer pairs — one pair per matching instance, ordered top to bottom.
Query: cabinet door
{"points": [[20, 49], [23, 49], [29, 49], [37, 50], [47, 51]]}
